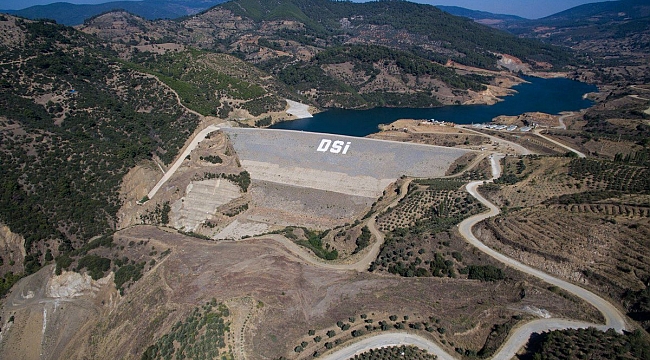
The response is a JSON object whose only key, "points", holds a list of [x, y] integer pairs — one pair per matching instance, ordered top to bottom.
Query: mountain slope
{"points": [[72, 14], [498, 21], [285, 37], [471, 43], [74, 118]]}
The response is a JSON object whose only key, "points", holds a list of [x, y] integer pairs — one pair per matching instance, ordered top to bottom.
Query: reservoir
{"points": [[550, 96]]}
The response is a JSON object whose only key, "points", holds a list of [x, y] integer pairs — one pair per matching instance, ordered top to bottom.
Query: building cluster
{"points": [[502, 127]]}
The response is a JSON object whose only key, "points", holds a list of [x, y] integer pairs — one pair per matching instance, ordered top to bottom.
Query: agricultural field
{"points": [[439, 201], [585, 220], [421, 239], [200, 335]]}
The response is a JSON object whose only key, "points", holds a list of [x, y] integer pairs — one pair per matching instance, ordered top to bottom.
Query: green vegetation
{"points": [[457, 38], [364, 56], [368, 59], [199, 86], [264, 122], [599, 124], [215, 159], [63, 160], [611, 175], [243, 179], [441, 184], [158, 216], [418, 229], [195, 235], [313, 240], [363, 240], [314, 243], [96, 265], [483, 272], [128, 273], [7, 281], [638, 306], [368, 325], [200, 336], [497, 336], [588, 344]]}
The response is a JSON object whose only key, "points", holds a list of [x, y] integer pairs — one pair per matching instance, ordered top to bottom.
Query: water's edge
{"points": [[550, 96]]}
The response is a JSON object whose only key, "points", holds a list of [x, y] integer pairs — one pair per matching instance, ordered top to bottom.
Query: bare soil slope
{"points": [[290, 298]]}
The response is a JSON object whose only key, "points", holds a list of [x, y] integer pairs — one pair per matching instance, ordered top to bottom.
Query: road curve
{"points": [[519, 149], [360, 265], [613, 317], [519, 337], [389, 339]]}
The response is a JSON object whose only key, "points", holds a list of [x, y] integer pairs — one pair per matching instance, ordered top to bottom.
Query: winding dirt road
{"points": [[518, 149], [613, 317]]}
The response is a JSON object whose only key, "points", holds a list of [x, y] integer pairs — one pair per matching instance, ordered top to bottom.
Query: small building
{"points": [[511, 128]]}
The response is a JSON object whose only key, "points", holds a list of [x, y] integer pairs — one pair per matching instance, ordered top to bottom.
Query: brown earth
{"points": [[600, 243], [12, 248], [292, 297]]}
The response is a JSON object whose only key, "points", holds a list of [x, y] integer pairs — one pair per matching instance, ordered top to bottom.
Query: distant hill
{"points": [[599, 13], [71, 14], [483, 17], [586, 26], [590, 26], [345, 54]]}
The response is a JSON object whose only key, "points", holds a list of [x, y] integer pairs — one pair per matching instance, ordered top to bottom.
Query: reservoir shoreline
{"points": [[551, 96]]}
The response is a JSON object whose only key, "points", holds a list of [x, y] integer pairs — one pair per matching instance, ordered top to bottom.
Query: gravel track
{"points": [[519, 337]]}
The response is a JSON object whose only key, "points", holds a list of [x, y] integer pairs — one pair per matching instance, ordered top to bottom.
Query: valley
{"points": [[148, 212]]}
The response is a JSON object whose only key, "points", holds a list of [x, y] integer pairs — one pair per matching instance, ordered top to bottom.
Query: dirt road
{"points": [[538, 133], [195, 142], [518, 149], [361, 264], [613, 317]]}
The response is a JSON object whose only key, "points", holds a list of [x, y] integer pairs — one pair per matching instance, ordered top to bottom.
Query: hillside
{"points": [[74, 14], [499, 21], [612, 37], [380, 61], [76, 117], [141, 217]]}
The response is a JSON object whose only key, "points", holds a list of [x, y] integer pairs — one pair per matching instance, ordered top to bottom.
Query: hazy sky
{"points": [[531, 9]]}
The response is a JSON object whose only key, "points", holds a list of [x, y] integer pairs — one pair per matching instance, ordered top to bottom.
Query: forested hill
{"points": [[75, 14], [442, 36], [388, 53], [73, 121]]}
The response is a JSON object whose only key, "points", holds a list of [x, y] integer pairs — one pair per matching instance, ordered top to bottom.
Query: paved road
{"points": [[193, 144], [613, 317]]}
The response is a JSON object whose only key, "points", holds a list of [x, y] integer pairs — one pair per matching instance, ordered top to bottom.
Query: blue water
{"points": [[550, 96]]}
